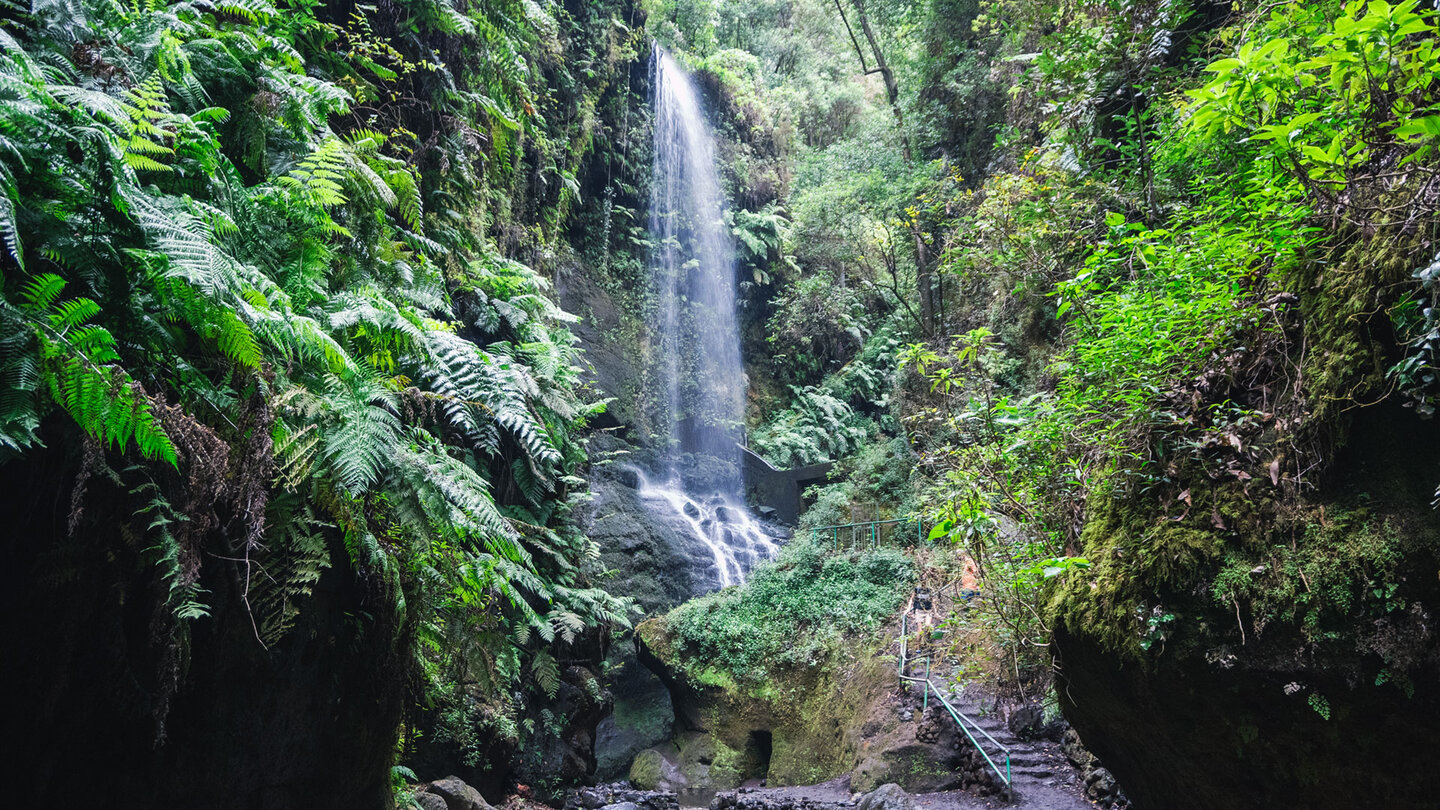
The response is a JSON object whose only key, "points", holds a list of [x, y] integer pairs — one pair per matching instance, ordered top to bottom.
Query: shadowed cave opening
{"points": [[757, 755]]}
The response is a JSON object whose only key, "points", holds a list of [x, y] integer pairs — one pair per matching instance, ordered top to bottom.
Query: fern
{"points": [[254, 12], [147, 113], [318, 177], [186, 201], [77, 366], [365, 433], [288, 573], [546, 673]]}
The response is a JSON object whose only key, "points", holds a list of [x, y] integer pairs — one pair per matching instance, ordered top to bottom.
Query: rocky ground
{"points": [[832, 795]]}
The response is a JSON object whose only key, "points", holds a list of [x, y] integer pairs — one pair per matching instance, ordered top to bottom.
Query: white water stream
{"points": [[696, 334], [736, 540]]}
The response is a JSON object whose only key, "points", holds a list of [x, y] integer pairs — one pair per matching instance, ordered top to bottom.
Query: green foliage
{"points": [[1326, 92], [230, 261], [1417, 320], [1176, 358], [816, 427], [872, 484], [1344, 567], [790, 611]]}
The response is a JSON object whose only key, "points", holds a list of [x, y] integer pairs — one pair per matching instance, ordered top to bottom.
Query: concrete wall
{"points": [[780, 489]]}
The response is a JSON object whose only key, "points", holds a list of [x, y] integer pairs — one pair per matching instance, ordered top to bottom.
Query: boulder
{"points": [[1028, 723], [648, 769], [1101, 787], [457, 795], [887, 797], [430, 801]]}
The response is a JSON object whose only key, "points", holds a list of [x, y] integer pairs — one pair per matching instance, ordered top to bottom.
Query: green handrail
{"points": [[871, 528], [961, 719]]}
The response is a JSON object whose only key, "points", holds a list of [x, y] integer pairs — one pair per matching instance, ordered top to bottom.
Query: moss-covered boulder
{"points": [[843, 715], [647, 769]]}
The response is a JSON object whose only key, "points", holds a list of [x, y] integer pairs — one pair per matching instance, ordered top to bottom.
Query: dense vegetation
{"points": [[1142, 263], [260, 278], [1132, 302], [791, 614]]}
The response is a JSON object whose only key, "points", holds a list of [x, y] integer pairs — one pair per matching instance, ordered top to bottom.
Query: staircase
{"points": [[1028, 764], [1024, 771]]}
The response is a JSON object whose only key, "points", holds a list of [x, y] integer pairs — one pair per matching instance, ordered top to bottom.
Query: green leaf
{"points": [[1427, 127]]}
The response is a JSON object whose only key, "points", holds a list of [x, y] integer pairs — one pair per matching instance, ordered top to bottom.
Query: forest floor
{"points": [[1064, 793]]}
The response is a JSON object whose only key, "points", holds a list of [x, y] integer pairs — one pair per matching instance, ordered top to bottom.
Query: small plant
{"points": [[1155, 627], [401, 780]]}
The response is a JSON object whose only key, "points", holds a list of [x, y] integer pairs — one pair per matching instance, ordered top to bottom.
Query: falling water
{"points": [[697, 339], [736, 540]]}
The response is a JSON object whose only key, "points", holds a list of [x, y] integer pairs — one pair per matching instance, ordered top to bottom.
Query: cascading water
{"points": [[697, 338]]}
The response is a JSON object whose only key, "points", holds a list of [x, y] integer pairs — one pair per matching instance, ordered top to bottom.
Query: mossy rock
{"points": [[808, 725], [646, 770]]}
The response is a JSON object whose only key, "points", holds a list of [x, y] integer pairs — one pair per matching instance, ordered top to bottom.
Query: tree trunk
{"points": [[892, 88], [924, 275]]}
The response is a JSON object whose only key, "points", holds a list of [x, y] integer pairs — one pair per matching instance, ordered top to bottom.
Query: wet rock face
{"points": [[609, 365], [654, 559], [653, 562], [642, 717], [243, 727], [570, 755]]}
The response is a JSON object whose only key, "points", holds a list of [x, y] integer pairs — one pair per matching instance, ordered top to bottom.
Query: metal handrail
{"points": [[872, 528], [961, 719]]}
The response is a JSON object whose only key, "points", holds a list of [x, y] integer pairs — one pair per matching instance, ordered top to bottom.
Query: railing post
{"points": [[919, 532], [904, 641]]}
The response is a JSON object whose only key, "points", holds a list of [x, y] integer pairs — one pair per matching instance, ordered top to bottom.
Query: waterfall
{"points": [[695, 334]]}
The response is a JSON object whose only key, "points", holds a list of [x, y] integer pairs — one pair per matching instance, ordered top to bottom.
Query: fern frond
{"points": [[546, 672]]}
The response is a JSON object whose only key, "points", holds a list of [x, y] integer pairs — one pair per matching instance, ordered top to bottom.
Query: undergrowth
{"points": [[789, 614]]}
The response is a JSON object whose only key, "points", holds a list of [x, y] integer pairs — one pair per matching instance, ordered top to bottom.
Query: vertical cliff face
{"points": [[115, 700], [1333, 705]]}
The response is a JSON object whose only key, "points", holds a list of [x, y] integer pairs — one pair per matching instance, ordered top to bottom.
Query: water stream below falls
{"points": [[695, 334], [736, 540]]}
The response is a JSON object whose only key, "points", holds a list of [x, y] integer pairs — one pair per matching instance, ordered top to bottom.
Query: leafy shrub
{"points": [[873, 484], [790, 612]]}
